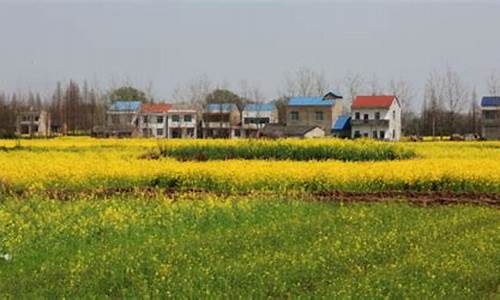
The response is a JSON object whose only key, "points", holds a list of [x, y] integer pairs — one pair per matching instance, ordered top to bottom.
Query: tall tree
{"points": [[305, 82], [493, 83], [354, 85], [128, 93], [455, 96]]}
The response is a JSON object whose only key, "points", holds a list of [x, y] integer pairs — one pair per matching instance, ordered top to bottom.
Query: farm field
{"points": [[85, 163], [81, 217]]}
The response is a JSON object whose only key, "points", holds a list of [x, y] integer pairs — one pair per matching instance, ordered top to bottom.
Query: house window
{"points": [[294, 115], [319, 115], [394, 115], [491, 115], [357, 116], [377, 116], [365, 117], [37, 118], [175, 118], [188, 118], [145, 119], [159, 119], [159, 132], [190, 132], [357, 134], [365, 134], [374, 134], [382, 134], [393, 134]]}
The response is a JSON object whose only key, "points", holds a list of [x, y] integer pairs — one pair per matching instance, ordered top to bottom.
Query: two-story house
{"points": [[314, 111], [256, 116], [377, 117], [122, 118], [490, 118], [221, 120], [153, 121], [182, 121], [33, 123]]}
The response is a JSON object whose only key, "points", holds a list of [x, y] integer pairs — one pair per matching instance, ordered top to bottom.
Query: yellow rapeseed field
{"points": [[74, 163]]}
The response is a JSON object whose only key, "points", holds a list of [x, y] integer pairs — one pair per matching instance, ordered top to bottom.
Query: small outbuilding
{"points": [[342, 127], [282, 131]]}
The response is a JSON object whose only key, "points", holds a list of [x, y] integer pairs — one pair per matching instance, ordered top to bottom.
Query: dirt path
{"points": [[418, 198]]}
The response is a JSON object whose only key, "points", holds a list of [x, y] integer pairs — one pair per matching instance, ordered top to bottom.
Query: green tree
{"points": [[128, 93]]}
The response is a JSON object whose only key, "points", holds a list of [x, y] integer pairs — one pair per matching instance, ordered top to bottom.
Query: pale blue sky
{"points": [[169, 43]]}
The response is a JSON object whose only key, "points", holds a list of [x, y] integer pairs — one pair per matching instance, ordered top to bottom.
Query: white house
{"points": [[256, 116], [377, 117], [153, 121], [182, 121], [490, 121]]}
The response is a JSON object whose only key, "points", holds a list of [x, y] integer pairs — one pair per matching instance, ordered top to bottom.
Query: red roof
{"points": [[373, 101], [155, 107]]}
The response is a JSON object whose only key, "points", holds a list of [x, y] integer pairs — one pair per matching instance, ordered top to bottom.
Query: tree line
{"points": [[447, 106]]}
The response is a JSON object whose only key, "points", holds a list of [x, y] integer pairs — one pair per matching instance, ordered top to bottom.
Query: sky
{"points": [[164, 45]]}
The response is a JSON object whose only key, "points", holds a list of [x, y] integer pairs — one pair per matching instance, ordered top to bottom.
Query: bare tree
{"points": [[305, 82], [493, 83], [354, 85], [375, 88], [194, 92], [250, 92], [405, 93], [455, 95], [432, 105], [474, 112]]}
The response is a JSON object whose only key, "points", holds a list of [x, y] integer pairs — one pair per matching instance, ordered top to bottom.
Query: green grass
{"points": [[284, 150], [251, 247]]}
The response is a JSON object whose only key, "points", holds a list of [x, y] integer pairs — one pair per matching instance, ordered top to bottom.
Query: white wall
{"points": [[392, 130]]}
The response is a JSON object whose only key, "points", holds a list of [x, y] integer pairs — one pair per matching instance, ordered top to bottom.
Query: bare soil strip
{"points": [[418, 198]]}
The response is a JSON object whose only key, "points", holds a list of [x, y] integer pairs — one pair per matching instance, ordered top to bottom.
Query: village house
{"points": [[314, 111], [256, 116], [377, 117], [490, 118], [122, 119], [221, 120], [153, 121], [182, 121], [33, 123], [342, 127], [276, 131]]}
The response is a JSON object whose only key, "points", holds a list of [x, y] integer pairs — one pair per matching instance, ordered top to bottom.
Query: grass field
{"points": [[92, 218]]}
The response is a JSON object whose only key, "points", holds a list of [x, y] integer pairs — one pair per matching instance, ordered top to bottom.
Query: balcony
{"points": [[370, 122], [491, 122], [217, 125]]}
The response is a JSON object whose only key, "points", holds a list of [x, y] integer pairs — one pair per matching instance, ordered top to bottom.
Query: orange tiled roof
{"points": [[155, 108]]}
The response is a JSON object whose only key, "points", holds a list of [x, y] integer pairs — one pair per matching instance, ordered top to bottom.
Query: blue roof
{"points": [[309, 101], [490, 101], [122, 105], [224, 107], [260, 107], [342, 123]]}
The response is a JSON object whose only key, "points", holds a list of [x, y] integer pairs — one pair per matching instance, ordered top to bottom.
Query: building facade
{"points": [[314, 111], [256, 116], [377, 117], [490, 118], [122, 119], [153, 120], [222, 120], [182, 122], [33, 123]]}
